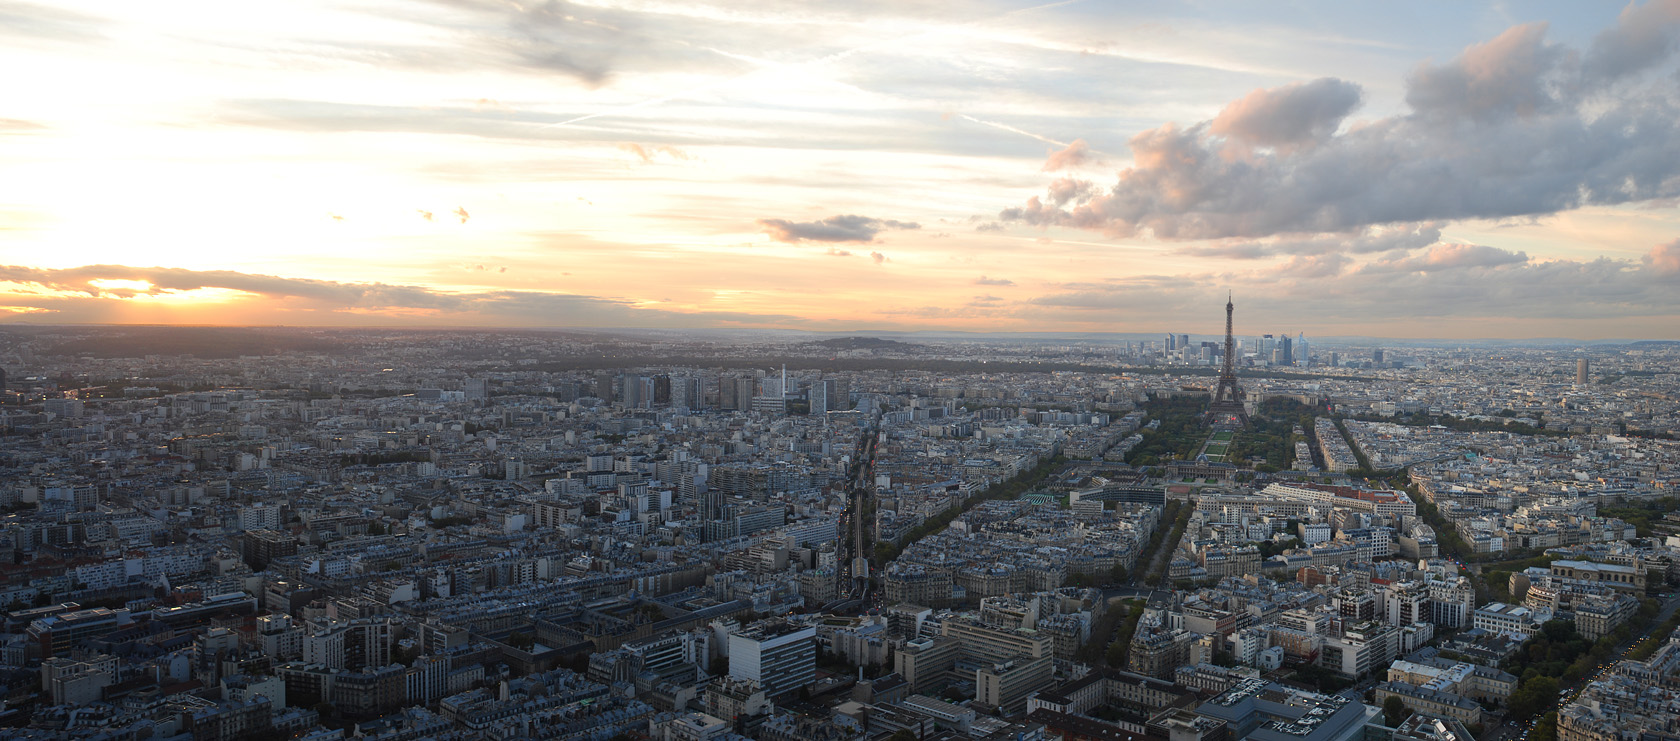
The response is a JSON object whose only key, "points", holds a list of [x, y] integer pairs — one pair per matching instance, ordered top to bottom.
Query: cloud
{"points": [[34, 22], [551, 36], [1642, 37], [1504, 77], [1289, 117], [18, 125], [1506, 129], [648, 153], [1075, 155], [1071, 190], [845, 228], [1396, 238], [1231, 251], [833, 252], [878, 257], [1452, 257], [1664, 259], [1314, 266], [984, 281], [1475, 285], [103, 293]]}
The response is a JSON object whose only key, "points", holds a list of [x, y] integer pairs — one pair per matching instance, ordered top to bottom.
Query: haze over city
{"points": [[1447, 170]]}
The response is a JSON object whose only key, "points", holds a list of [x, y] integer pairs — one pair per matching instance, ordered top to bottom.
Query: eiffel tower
{"points": [[1227, 408]]}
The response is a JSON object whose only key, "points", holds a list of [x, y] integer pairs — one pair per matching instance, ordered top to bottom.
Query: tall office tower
{"points": [[1183, 341], [1172, 342], [1267, 345], [1287, 346], [1303, 351], [1377, 355], [1334, 359], [1580, 371], [2, 380], [604, 386], [478, 388], [744, 388], [662, 389], [630, 392], [686, 392], [726, 392], [679, 394], [818, 395], [841, 399]]}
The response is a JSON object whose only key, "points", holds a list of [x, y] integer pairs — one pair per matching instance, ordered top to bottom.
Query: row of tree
{"points": [[1011, 488], [1174, 518]]}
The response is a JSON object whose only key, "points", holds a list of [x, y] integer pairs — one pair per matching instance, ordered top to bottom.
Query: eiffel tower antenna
{"points": [[1228, 408]]}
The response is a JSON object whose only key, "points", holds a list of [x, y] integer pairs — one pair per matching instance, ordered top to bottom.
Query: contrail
{"points": [[837, 56], [1012, 129]]}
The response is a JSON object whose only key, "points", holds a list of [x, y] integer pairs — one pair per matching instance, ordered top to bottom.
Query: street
{"points": [[1573, 689]]}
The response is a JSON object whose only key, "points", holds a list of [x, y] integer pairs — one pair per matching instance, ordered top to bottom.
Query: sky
{"points": [[1423, 170]]}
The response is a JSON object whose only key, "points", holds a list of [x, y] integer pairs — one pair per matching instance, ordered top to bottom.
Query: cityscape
{"points": [[731, 370], [400, 534]]}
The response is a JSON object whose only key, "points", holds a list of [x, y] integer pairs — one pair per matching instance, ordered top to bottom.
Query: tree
{"points": [[1116, 655], [1533, 697], [1394, 711]]}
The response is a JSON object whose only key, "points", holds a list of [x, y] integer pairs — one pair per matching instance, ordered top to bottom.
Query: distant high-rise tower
{"points": [[1172, 342], [1286, 350], [1377, 355], [1580, 371], [477, 388], [744, 388], [817, 395], [1228, 405]]}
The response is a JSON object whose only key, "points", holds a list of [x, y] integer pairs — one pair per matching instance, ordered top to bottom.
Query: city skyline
{"points": [[1443, 171]]}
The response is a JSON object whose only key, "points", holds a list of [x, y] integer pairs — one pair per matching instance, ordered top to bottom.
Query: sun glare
{"points": [[120, 284]]}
